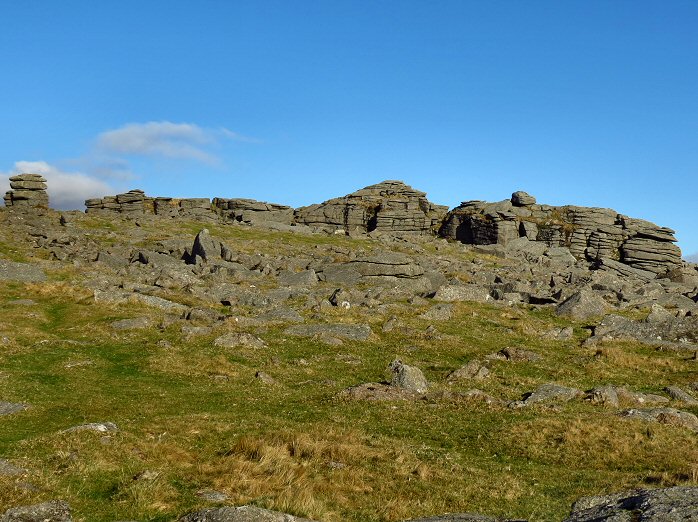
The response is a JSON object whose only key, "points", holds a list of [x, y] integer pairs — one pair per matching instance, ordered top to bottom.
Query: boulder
{"points": [[23, 272], [582, 305], [353, 332], [406, 377], [8, 408], [671, 416], [675, 504], [52, 511], [240, 514]]}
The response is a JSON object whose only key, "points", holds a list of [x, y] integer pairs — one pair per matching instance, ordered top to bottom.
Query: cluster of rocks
{"points": [[27, 191], [136, 203], [598, 235], [602, 237], [674, 504]]}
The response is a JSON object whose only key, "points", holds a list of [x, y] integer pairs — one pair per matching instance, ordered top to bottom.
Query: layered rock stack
{"points": [[27, 190], [132, 203], [136, 203], [390, 206], [251, 211], [595, 234]]}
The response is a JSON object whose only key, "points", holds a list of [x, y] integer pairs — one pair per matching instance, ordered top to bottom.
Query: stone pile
{"points": [[27, 190], [390, 206], [251, 211], [598, 235]]}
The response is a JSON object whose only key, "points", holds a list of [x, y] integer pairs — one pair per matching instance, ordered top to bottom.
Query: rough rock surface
{"points": [[27, 191], [136, 203], [389, 206], [252, 211], [593, 234], [25, 272], [408, 378], [676, 504], [52, 511], [240, 514]]}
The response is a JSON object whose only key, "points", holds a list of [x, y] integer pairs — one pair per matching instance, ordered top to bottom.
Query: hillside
{"points": [[371, 358]]}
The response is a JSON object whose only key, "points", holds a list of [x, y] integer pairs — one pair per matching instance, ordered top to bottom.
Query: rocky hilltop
{"points": [[600, 236], [374, 357]]}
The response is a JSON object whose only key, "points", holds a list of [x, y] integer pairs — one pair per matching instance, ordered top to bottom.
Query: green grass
{"points": [[193, 416]]}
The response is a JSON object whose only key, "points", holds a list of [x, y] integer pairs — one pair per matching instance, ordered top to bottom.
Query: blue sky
{"points": [[577, 102]]}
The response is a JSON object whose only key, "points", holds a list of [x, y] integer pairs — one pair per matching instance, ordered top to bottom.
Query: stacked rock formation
{"points": [[28, 190], [132, 202], [136, 203], [390, 206], [250, 210], [596, 234]]}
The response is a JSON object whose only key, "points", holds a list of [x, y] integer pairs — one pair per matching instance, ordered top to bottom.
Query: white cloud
{"points": [[160, 138], [66, 190], [693, 258]]}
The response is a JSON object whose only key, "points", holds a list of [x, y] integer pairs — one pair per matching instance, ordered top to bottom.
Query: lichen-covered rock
{"points": [[28, 191], [390, 206], [253, 211], [592, 234], [582, 305], [407, 377], [676, 504], [52, 511], [240, 514]]}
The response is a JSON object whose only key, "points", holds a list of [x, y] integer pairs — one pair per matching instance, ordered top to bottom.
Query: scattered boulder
{"points": [[23, 272], [469, 292], [582, 305], [440, 312], [132, 324], [353, 332], [239, 339], [515, 354], [473, 370], [406, 377], [374, 391], [548, 393], [678, 394], [603, 395], [8, 408], [664, 416], [99, 427], [7, 469], [675, 504], [52, 511], [240, 514]]}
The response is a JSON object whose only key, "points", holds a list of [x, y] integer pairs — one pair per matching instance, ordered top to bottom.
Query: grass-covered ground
{"points": [[193, 416]]}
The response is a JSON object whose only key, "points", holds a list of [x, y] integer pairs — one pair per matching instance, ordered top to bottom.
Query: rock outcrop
{"points": [[28, 191], [136, 203], [389, 206], [252, 211], [592, 234]]}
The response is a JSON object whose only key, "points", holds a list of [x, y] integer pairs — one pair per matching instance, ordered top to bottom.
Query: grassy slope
{"points": [[194, 417]]}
